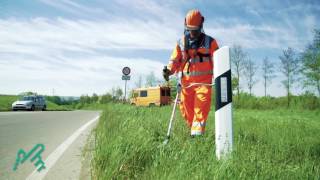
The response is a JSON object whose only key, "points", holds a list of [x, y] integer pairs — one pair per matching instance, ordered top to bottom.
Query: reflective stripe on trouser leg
{"points": [[187, 105], [201, 109], [198, 128]]}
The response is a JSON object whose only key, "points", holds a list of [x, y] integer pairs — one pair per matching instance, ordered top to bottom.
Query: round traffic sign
{"points": [[126, 70]]}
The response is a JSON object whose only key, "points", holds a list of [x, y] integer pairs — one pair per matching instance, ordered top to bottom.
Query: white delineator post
{"points": [[223, 92]]}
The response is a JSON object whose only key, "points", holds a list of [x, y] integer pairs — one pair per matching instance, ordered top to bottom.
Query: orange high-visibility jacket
{"points": [[200, 67]]}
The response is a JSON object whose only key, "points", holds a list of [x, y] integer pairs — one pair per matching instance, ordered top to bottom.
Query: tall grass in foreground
{"points": [[271, 144]]}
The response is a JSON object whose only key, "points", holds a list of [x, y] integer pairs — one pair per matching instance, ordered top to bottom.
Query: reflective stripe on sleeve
{"points": [[197, 59], [198, 73]]}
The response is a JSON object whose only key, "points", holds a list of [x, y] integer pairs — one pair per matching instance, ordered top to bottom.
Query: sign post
{"points": [[125, 71], [223, 114]]}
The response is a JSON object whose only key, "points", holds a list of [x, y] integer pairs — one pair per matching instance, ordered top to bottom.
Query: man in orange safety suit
{"points": [[193, 56]]}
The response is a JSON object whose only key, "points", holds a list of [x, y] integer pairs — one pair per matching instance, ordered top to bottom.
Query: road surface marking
{"points": [[58, 152]]}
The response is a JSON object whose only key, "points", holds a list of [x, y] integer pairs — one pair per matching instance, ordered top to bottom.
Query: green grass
{"points": [[7, 100], [54, 107], [270, 144]]}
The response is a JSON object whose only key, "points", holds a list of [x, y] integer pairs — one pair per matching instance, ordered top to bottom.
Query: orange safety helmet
{"points": [[194, 20]]}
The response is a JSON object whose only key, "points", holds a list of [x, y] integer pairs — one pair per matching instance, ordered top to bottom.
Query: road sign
{"points": [[126, 71], [125, 77]]}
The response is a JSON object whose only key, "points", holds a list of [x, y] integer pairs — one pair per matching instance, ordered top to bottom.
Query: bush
{"points": [[306, 101]]}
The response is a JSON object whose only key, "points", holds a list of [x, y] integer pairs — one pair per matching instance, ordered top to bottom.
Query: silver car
{"points": [[30, 103]]}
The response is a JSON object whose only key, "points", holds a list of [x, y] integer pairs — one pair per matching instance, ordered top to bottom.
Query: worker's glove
{"points": [[166, 73]]}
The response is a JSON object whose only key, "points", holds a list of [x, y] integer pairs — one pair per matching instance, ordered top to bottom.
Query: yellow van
{"points": [[151, 96]]}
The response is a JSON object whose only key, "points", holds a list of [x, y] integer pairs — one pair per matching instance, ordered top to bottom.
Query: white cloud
{"points": [[72, 7], [266, 25], [82, 35], [258, 36], [48, 51], [41, 54], [71, 55], [71, 76]]}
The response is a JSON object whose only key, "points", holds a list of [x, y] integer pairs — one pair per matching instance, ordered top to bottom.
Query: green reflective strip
{"points": [[197, 59], [198, 73]]}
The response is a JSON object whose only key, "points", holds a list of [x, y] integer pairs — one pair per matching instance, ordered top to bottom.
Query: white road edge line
{"points": [[57, 153]]}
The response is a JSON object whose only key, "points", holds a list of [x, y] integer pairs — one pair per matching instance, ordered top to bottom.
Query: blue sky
{"points": [[79, 47]]}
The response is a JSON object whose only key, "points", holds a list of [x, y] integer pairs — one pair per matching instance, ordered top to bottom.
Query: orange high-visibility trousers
{"points": [[195, 106]]}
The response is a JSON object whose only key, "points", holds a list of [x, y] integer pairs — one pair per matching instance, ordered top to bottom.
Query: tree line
{"points": [[303, 68], [115, 95]]}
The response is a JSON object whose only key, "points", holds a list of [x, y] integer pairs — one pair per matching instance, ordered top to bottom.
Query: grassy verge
{"points": [[6, 102], [54, 107], [271, 144]]}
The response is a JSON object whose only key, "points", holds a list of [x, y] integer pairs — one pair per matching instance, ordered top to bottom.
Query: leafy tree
{"points": [[238, 57], [311, 63], [289, 66], [250, 71], [267, 73], [151, 79], [138, 83], [235, 84], [173, 87], [113, 92], [28, 93], [119, 93], [94, 97], [106, 98], [82, 99], [85, 99], [56, 100]]}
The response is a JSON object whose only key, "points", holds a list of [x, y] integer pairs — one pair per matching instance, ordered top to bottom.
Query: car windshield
{"points": [[27, 98]]}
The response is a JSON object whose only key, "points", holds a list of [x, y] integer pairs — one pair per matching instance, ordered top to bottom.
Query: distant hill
{"points": [[68, 98]]}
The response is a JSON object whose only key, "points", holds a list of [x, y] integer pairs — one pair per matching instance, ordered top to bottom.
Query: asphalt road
{"points": [[24, 130]]}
